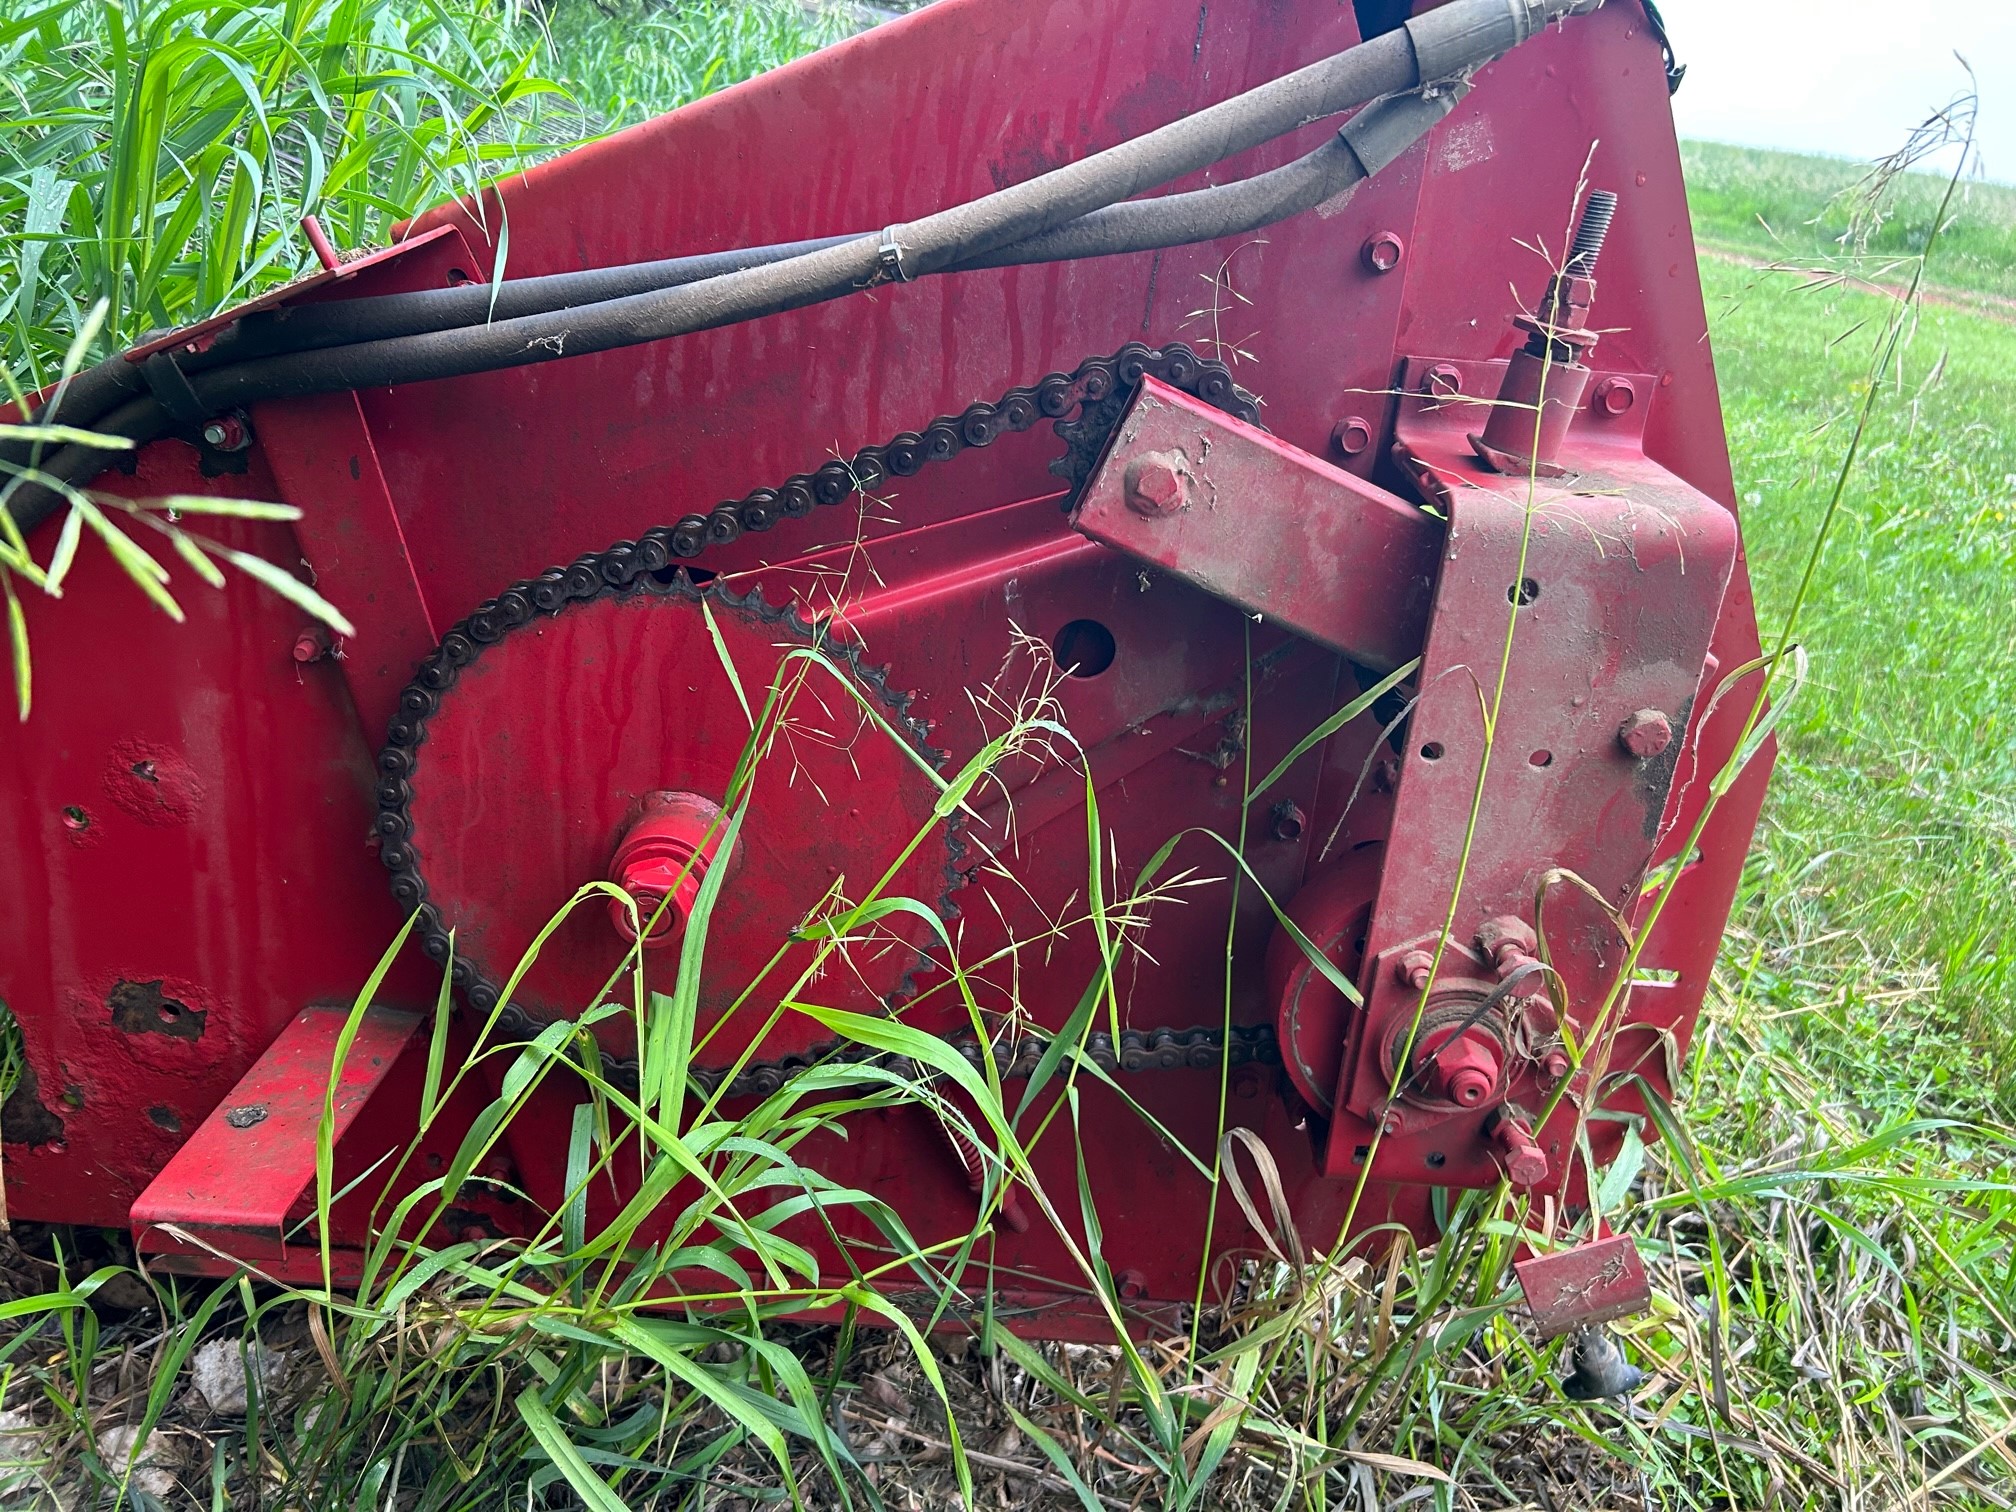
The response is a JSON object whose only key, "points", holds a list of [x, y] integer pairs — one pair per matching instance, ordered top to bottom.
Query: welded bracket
{"points": [[1250, 519], [1574, 614], [233, 1187], [1591, 1283]]}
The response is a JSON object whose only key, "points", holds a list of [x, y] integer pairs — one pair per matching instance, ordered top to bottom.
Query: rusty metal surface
{"points": [[1262, 524], [213, 788], [1589, 1284]]}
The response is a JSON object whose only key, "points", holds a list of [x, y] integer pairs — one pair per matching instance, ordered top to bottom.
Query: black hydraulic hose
{"points": [[1445, 41], [1366, 144], [1136, 226], [303, 328]]}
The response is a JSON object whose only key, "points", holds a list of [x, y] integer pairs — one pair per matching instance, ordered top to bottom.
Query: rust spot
{"points": [[155, 786], [142, 1008], [163, 1117], [24, 1119]]}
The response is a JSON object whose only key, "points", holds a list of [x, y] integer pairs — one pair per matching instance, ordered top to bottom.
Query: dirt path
{"points": [[2000, 308]]}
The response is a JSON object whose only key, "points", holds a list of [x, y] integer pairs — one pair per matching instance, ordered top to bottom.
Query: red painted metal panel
{"points": [[324, 463], [1282, 534], [237, 881]]}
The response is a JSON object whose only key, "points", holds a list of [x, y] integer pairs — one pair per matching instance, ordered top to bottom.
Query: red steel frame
{"points": [[187, 818]]}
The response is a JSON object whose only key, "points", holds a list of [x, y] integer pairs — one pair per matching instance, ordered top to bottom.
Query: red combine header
{"points": [[1320, 426]]}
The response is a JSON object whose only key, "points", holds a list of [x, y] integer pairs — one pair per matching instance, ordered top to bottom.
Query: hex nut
{"points": [[1351, 435], [1158, 484]]}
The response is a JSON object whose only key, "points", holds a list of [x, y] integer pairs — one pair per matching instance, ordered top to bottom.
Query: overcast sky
{"points": [[1849, 77]]}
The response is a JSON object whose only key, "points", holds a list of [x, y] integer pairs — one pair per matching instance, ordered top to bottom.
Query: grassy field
{"points": [[1782, 206], [1833, 1231]]}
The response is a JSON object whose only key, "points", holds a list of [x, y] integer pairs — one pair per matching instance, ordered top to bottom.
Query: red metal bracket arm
{"points": [[1264, 525]]}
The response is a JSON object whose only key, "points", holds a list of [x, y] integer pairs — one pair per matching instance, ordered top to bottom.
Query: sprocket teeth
{"points": [[1075, 402]]}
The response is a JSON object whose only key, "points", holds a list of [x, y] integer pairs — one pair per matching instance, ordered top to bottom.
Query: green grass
{"points": [[159, 157], [1782, 206], [1889, 848], [1829, 1225]]}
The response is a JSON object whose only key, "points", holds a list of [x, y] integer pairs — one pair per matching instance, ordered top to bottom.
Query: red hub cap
{"points": [[663, 858]]}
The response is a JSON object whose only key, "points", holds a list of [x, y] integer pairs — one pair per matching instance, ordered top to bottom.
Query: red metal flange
{"points": [[662, 860]]}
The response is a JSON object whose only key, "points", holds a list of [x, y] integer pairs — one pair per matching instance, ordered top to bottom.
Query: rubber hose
{"points": [[1464, 34]]}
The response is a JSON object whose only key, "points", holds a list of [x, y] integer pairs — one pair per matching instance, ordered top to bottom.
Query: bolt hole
{"points": [[459, 276], [1523, 592], [1083, 648], [1432, 751], [1541, 759], [144, 770], [74, 818], [169, 1011], [1359, 1152], [1437, 1159]]}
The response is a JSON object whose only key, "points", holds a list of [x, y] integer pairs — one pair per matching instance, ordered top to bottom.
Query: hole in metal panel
{"points": [[1084, 648]]}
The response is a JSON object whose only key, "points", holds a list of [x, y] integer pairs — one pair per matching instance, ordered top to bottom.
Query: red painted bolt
{"points": [[1382, 253], [1443, 380], [1615, 396], [1351, 435], [1157, 484], [311, 645], [1645, 734], [1506, 935], [1414, 968], [1556, 1064], [1463, 1070], [1525, 1162]]}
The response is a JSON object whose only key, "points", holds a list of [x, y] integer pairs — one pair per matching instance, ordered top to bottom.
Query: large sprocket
{"points": [[525, 773]]}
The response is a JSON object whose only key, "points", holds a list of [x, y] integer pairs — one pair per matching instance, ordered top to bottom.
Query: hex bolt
{"points": [[1382, 252], [1443, 381], [1615, 396], [227, 433], [1351, 435], [1158, 484], [1645, 734], [1289, 821], [1508, 935], [1413, 968], [1556, 1064], [1525, 1162]]}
